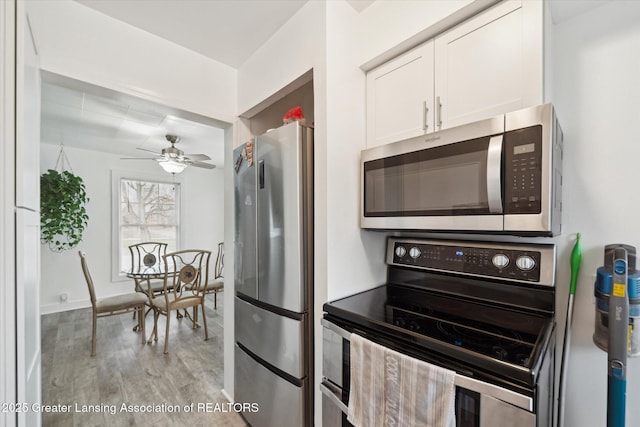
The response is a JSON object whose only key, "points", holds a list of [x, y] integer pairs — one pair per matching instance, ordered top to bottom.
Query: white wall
{"points": [[387, 23], [335, 41], [78, 42], [83, 44], [296, 48], [596, 92], [202, 219], [354, 256], [8, 338]]}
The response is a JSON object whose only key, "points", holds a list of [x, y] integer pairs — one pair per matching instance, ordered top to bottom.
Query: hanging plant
{"points": [[63, 217]]}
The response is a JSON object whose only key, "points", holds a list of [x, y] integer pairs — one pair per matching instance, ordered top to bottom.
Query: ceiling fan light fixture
{"points": [[173, 160], [172, 166]]}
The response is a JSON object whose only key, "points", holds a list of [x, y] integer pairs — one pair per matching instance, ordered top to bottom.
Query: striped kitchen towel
{"points": [[392, 389]]}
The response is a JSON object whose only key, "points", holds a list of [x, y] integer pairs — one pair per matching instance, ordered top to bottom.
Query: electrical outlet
{"points": [[64, 297]]}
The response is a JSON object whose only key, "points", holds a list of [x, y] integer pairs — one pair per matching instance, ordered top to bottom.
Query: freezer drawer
{"points": [[278, 340], [280, 403]]}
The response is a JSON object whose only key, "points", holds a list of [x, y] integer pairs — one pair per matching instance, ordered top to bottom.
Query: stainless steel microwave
{"points": [[498, 175]]}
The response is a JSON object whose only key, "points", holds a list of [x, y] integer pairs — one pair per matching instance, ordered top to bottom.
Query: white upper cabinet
{"points": [[490, 64], [487, 65], [400, 97]]}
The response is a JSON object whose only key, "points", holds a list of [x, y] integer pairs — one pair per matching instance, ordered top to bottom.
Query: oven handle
{"points": [[494, 181], [463, 381], [332, 392]]}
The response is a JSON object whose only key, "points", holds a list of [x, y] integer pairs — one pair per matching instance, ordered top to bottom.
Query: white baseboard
{"points": [[64, 306], [58, 307], [224, 392]]}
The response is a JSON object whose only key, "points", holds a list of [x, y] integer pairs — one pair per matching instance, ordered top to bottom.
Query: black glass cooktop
{"points": [[499, 338]]}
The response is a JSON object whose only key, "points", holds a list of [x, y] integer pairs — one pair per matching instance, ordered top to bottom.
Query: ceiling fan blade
{"points": [[149, 151], [197, 157], [136, 158], [202, 165]]}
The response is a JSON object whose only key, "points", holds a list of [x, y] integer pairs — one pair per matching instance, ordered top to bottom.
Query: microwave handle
{"points": [[494, 187]]}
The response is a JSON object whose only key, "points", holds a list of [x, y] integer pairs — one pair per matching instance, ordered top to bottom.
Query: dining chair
{"points": [[148, 255], [185, 273], [217, 284], [112, 306]]}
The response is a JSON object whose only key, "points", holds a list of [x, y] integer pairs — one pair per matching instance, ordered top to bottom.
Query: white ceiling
{"points": [[228, 31], [98, 119]]}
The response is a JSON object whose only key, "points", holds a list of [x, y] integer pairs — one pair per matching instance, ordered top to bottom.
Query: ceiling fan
{"points": [[174, 160]]}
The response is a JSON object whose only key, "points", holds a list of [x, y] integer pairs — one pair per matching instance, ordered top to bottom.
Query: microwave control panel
{"points": [[522, 150]]}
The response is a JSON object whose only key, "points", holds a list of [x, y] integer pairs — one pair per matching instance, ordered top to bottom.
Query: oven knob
{"points": [[401, 251], [414, 252], [500, 260], [525, 263]]}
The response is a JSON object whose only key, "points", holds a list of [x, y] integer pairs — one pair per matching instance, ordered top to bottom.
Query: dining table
{"points": [[143, 273]]}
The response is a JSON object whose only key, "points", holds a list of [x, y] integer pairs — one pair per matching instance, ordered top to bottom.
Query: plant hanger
{"points": [[62, 159]]}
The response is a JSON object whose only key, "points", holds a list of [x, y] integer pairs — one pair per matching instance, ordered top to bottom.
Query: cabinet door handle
{"points": [[425, 111], [438, 112]]}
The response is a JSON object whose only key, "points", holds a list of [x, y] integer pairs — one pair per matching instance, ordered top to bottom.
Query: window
{"points": [[147, 211]]}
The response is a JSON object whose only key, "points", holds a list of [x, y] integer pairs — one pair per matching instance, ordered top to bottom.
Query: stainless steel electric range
{"points": [[484, 310]]}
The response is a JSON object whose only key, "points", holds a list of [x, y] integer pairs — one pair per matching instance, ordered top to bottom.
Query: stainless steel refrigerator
{"points": [[273, 177]]}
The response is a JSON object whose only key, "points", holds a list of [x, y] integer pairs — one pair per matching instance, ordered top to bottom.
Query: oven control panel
{"points": [[523, 263]]}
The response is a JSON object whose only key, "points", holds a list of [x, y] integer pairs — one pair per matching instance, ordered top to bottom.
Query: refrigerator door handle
{"points": [[261, 173]]}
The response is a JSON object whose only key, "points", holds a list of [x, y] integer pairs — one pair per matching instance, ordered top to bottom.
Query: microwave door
{"points": [[453, 187]]}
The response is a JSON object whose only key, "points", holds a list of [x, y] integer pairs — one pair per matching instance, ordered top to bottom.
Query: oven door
{"points": [[449, 180], [478, 404]]}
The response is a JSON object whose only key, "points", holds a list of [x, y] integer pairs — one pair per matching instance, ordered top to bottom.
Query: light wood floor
{"points": [[126, 371]]}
